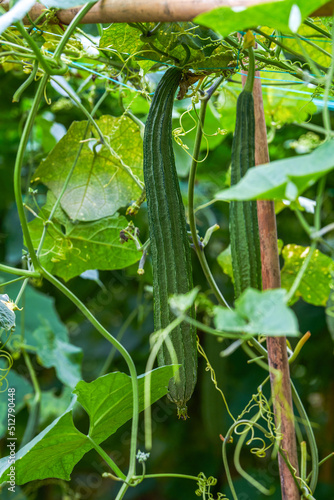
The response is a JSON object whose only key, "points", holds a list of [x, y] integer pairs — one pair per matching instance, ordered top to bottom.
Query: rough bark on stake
{"points": [[120, 11], [277, 349]]}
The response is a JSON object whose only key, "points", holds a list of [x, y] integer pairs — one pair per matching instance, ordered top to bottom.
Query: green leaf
{"points": [[278, 15], [121, 37], [195, 37], [125, 39], [313, 52], [220, 59], [280, 179], [99, 185], [70, 249], [315, 286], [258, 313], [64, 357], [108, 400], [59, 447], [52, 453]]}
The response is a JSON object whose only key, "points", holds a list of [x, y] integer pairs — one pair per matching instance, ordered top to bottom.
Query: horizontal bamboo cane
{"points": [[121, 11]]}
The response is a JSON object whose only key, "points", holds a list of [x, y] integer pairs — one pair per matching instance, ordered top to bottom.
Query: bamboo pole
{"points": [[120, 11], [277, 348]]}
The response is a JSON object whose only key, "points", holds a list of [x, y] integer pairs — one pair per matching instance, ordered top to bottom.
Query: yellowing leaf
{"points": [[315, 286]]}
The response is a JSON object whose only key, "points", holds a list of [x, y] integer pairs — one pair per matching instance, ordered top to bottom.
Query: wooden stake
{"points": [[120, 11], [277, 349]]}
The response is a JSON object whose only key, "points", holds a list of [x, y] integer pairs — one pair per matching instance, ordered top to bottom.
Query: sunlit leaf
{"points": [[226, 20], [281, 179], [99, 185], [315, 286]]}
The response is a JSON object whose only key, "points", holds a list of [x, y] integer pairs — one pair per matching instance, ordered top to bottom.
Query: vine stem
{"points": [[18, 167], [191, 189], [28, 241], [19, 272], [120, 334], [159, 340], [276, 346], [131, 366], [227, 439], [106, 458], [168, 474]]}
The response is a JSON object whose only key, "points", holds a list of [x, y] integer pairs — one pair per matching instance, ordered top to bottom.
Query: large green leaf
{"points": [[280, 15], [121, 37], [125, 39], [312, 50], [281, 179], [99, 185], [72, 248], [315, 286], [258, 313], [108, 400], [59, 447], [52, 453]]}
